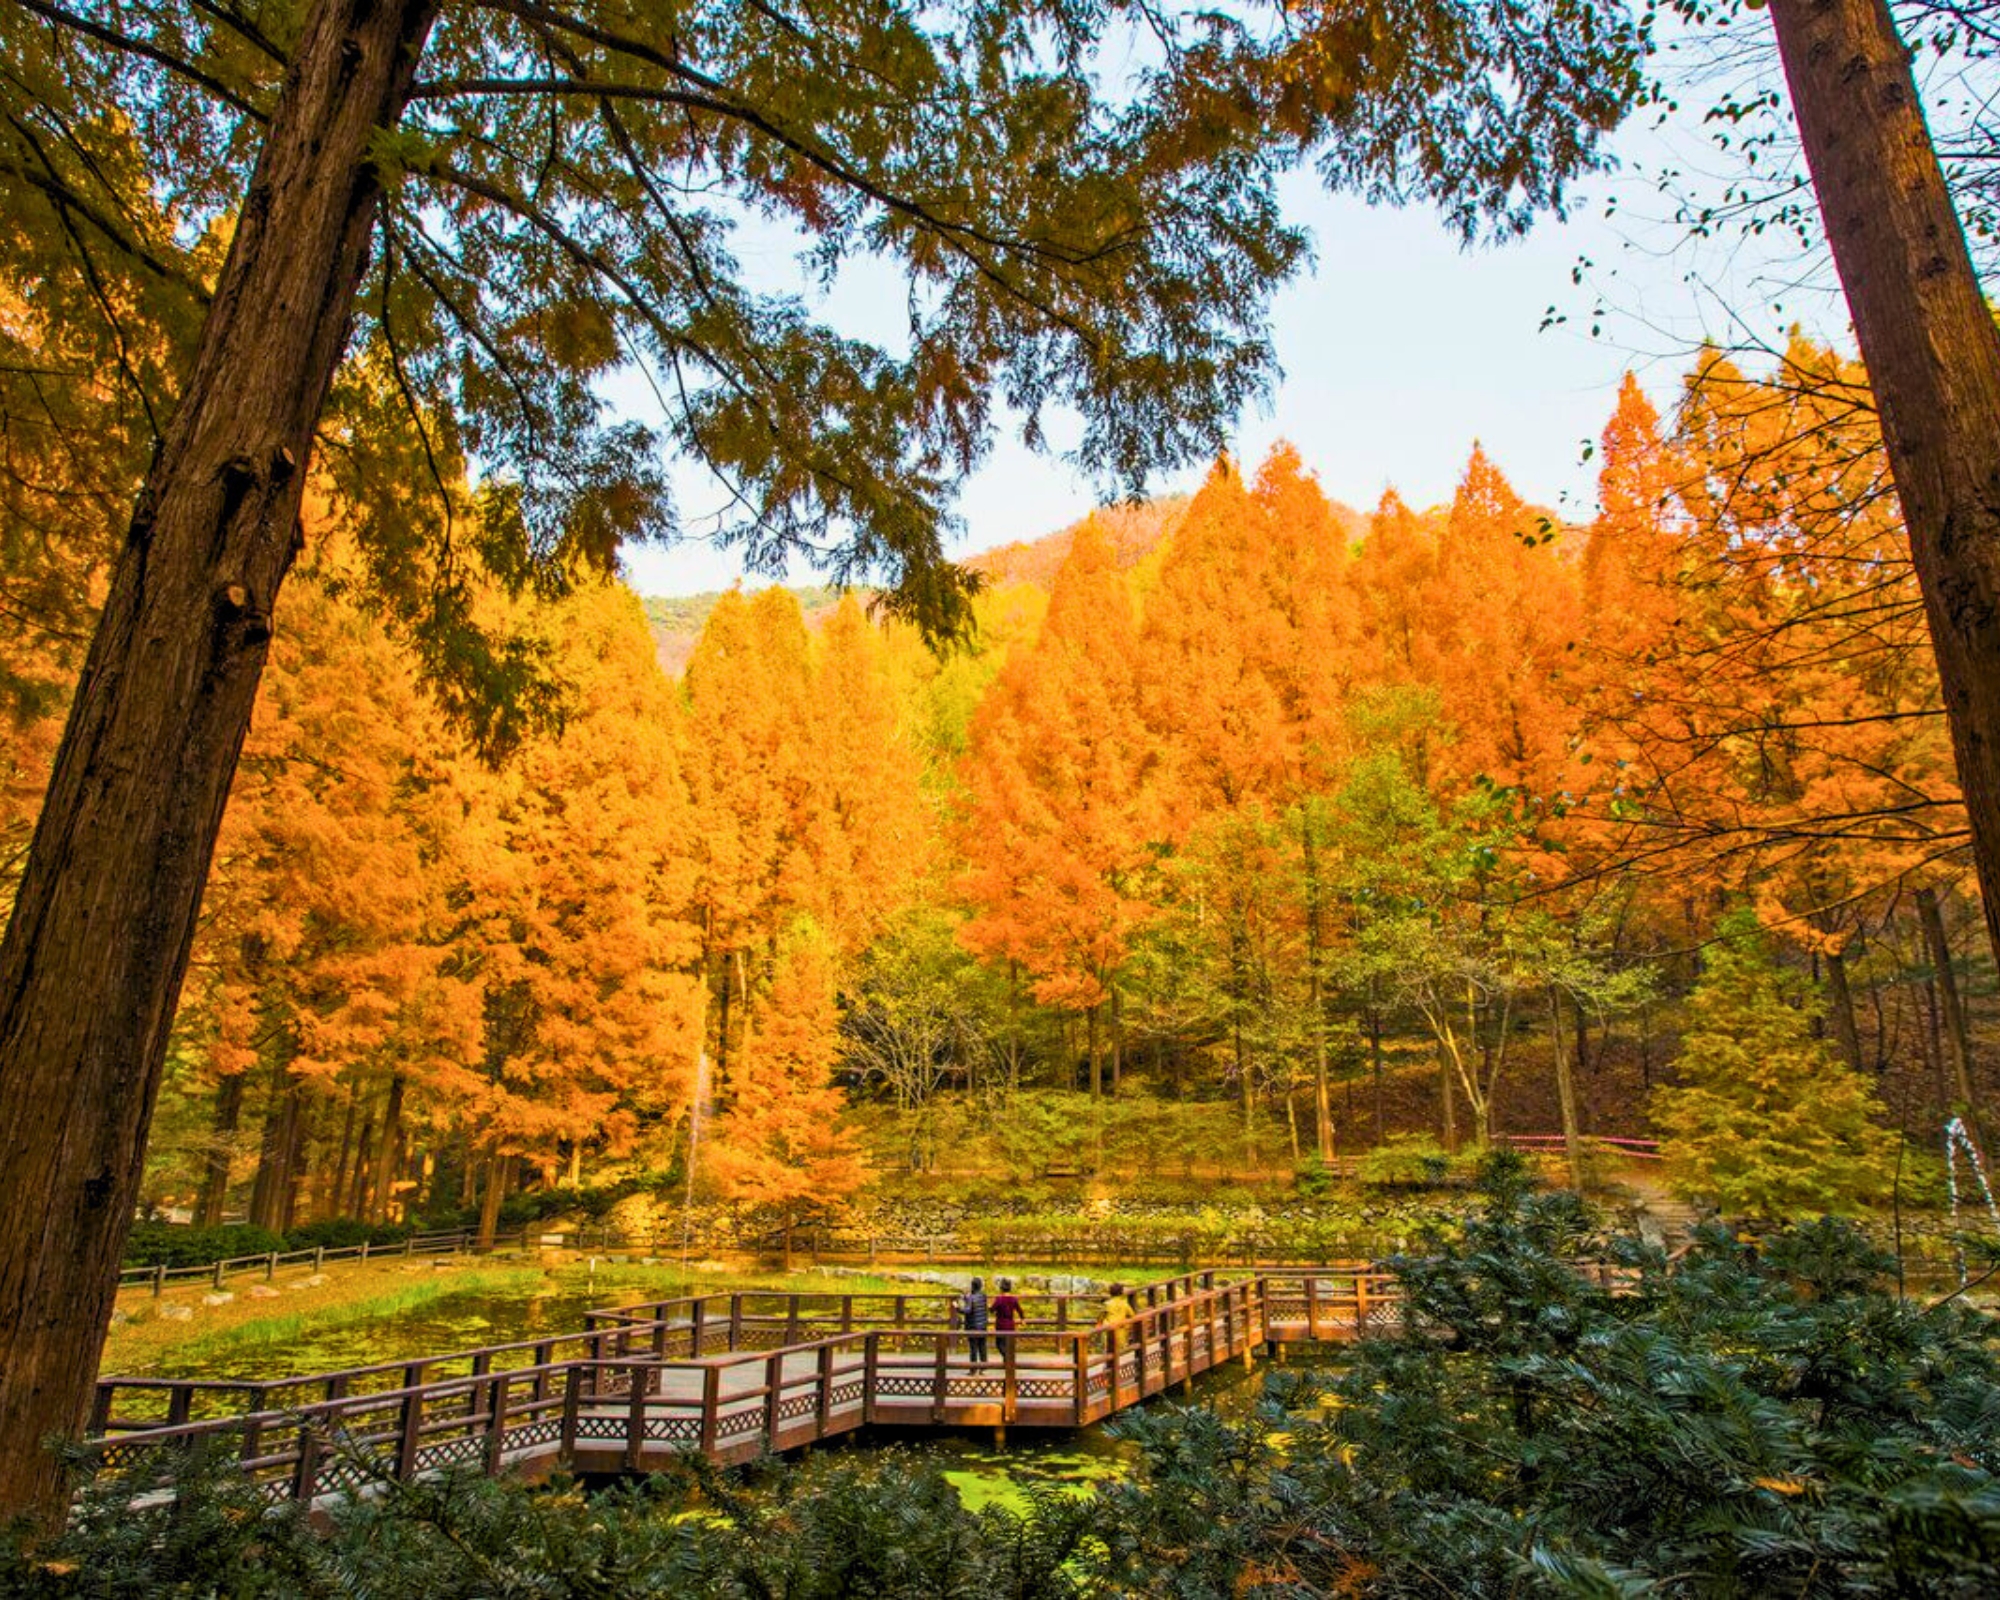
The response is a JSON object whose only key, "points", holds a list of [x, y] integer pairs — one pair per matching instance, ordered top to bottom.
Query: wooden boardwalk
{"points": [[728, 1376]]}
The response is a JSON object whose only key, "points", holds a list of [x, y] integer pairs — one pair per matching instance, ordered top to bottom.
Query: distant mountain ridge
{"points": [[1136, 530]]}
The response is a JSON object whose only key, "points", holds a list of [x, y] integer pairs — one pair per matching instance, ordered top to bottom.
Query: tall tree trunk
{"points": [[1932, 352], [93, 956], [1840, 1009], [1117, 1040], [1957, 1040], [1375, 1062], [1566, 1094], [1446, 1106], [274, 1153], [298, 1157], [364, 1167], [215, 1168], [333, 1185], [382, 1185], [490, 1197]]}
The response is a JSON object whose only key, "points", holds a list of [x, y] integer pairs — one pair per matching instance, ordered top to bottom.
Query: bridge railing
{"points": [[728, 1376]]}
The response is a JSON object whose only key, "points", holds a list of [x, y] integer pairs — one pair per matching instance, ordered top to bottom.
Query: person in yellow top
{"points": [[1117, 1311]]}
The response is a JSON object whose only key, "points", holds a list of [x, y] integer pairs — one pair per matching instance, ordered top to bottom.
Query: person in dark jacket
{"points": [[972, 1312]]}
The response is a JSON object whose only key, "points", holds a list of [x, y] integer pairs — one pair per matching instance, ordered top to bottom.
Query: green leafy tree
{"points": [[1765, 1118]]}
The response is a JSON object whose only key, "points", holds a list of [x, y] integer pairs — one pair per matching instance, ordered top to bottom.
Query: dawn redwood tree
{"points": [[493, 203], [1928, 339]]}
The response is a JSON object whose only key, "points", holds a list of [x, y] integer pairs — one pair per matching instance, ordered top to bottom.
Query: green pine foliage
{"points": [[1766, 1120], [1746, 1422]]}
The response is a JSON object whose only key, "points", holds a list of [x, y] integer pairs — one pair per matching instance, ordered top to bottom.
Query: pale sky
{"points": [[1400, 349]]}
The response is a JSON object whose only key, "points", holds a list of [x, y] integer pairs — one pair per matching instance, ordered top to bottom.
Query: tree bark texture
{"points": [[1932, 352], [91, 965]]}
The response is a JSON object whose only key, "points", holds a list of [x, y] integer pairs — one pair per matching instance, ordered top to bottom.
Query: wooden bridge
{"points": [[730, 1376]]}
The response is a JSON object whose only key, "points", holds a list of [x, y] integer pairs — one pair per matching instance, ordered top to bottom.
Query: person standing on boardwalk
{"points": [[972, 1310], [1006, 1310], [1116, 1313]]}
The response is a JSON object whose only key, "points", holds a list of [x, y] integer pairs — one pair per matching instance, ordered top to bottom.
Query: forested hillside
{"points": [[1304, 829]]}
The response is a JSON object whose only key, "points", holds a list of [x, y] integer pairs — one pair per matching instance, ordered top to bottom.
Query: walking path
{"points": [[728, 1376]]}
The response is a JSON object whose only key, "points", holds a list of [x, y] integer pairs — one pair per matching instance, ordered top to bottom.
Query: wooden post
{"points": [[319, 1259], [270, 1266], [218, 1274], [159, 1280], [1360, 1305], [1312, 1307], [697, 1312], [847, 1313], [792, 1320], [735, 1323], [1081, 1353], [544, 1354], [1138, 1358], [482, 1363], [870, 1365], [941, 1377], [774, 1388], [1010, 1389], [823, 1397], [572, 1404], [711, 1408], [635, 1416], [496, 1424], [253, 1430], [409, 1435], [305, 1472]]}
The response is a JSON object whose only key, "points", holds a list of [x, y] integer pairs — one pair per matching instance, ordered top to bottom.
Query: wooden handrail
{"points": [[632, 1390]]}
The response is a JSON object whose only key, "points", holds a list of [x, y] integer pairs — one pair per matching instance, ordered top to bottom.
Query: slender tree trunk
{"points": [[1932, 352], [93, 956], [1840, 1009], [1957, 1038], [1117, 1040], [1375, 1062], [1566, 1094], [1447, 1108], [1292, 1122], [275, 1153], [297, 1160], [364, 1167], [215, 1169], [382, 1185], [335, 1187], [490, 1198]]}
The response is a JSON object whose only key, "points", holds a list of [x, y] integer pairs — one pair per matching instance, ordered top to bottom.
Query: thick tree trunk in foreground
{"points": [[1932, 353], [92, 961]]}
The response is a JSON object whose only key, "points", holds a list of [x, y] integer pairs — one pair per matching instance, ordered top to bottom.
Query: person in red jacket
{"points": [[1006, 1311]]}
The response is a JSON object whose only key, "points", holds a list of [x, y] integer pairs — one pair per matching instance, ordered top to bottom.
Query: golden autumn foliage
{"points": [[1253, 786]]}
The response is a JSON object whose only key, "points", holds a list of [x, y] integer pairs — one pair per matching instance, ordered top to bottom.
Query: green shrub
{"points": [[1409, 1160], [170, 1244], [1763, 1420]]}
